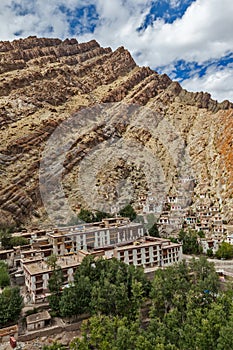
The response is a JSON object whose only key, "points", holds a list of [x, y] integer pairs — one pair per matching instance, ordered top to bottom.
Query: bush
{"points": [[129, 212], [225, 251], [4, 276]]}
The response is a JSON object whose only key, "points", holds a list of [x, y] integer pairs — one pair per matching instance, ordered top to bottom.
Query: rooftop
{"points": [[92, 227], [142, 242], [66, 261], [41, 316]]}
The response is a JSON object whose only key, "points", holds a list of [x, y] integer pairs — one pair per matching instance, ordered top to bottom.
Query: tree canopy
{"points": [[129, 212], [89, 216], [154, 231], [8, 241], [190, 241], [225, 251], [4, 276], [101, 286], [11, 303], [185, 307]]}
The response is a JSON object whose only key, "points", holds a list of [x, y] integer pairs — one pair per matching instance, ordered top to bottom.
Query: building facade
{"points": [[149, 252]]}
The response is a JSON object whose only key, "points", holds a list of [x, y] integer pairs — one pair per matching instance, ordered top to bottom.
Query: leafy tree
{"points": [[129, 212], [86, 215], [100, 215], [154, 231], [5, 237], [18, 241], [8, 242], [190, 242], [225, 251], [210, 253], [4, 276], [203, 276], [55, 284], [107, 287], [109, 298], [75, 299], [15, 303], [11, 304], [189, 311], [106, 333], [225, 339]]}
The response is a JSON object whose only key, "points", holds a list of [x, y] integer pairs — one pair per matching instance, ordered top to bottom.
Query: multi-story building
{"points": [[95, 235], [149, 252], [37, 273]]}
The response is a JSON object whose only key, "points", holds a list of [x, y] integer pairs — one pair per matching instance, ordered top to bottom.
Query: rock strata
{"points": [[45, 81]]}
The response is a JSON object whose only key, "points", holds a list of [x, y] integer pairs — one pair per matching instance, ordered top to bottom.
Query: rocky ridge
{"points": [[45, 81]]}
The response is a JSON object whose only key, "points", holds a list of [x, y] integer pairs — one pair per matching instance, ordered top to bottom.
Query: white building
{"points": [[149, 252]]}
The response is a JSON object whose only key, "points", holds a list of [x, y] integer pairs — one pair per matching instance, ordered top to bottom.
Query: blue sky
{"points": [[189, 40]]}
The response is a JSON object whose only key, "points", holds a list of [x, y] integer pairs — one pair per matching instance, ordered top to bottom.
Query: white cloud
{"points": [[203, 33], [218, 82]]}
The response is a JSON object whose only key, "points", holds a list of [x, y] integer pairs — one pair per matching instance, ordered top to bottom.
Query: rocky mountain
{"points": [[131, 133]]}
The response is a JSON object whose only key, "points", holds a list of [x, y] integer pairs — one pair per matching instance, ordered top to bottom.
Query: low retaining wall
{"points": [[61, 327], [6, 333], [41, 333]]}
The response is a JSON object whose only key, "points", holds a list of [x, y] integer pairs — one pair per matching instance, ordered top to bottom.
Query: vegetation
{"points": [[129, 212], [88, 216], [154, 231], [18, 241], [190, 241], [8, 242], [225, 251], [4, 276], [55, 284], [101, 286], [11, 304], [187, 308], [188, 311], [54, 346]]}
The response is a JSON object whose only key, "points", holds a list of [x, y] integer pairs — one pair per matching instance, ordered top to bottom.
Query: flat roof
{"points": [[91, 229], [141, 242], [172, 245], [6, 251], [31, 259], [65, 261], [40, 316]]}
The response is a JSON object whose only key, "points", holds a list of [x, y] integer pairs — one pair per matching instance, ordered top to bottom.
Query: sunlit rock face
{"points": [[44, 82]]}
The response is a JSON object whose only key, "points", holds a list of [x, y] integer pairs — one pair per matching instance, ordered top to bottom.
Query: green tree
{"points": [[129, 212], [86, 215], [100, 215], [154, 231], [5, 237], [18, 241], [8, 242], [190, 242], [225, 251], [210, 253], [4, 276], [203, 276], [55, 284], [105, 286], [169, 289], [75, 299], [11, 304], [106, 333], [225, 339]]}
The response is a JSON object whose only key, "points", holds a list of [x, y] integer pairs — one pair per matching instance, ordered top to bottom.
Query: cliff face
{"points": [[45, 81]]}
